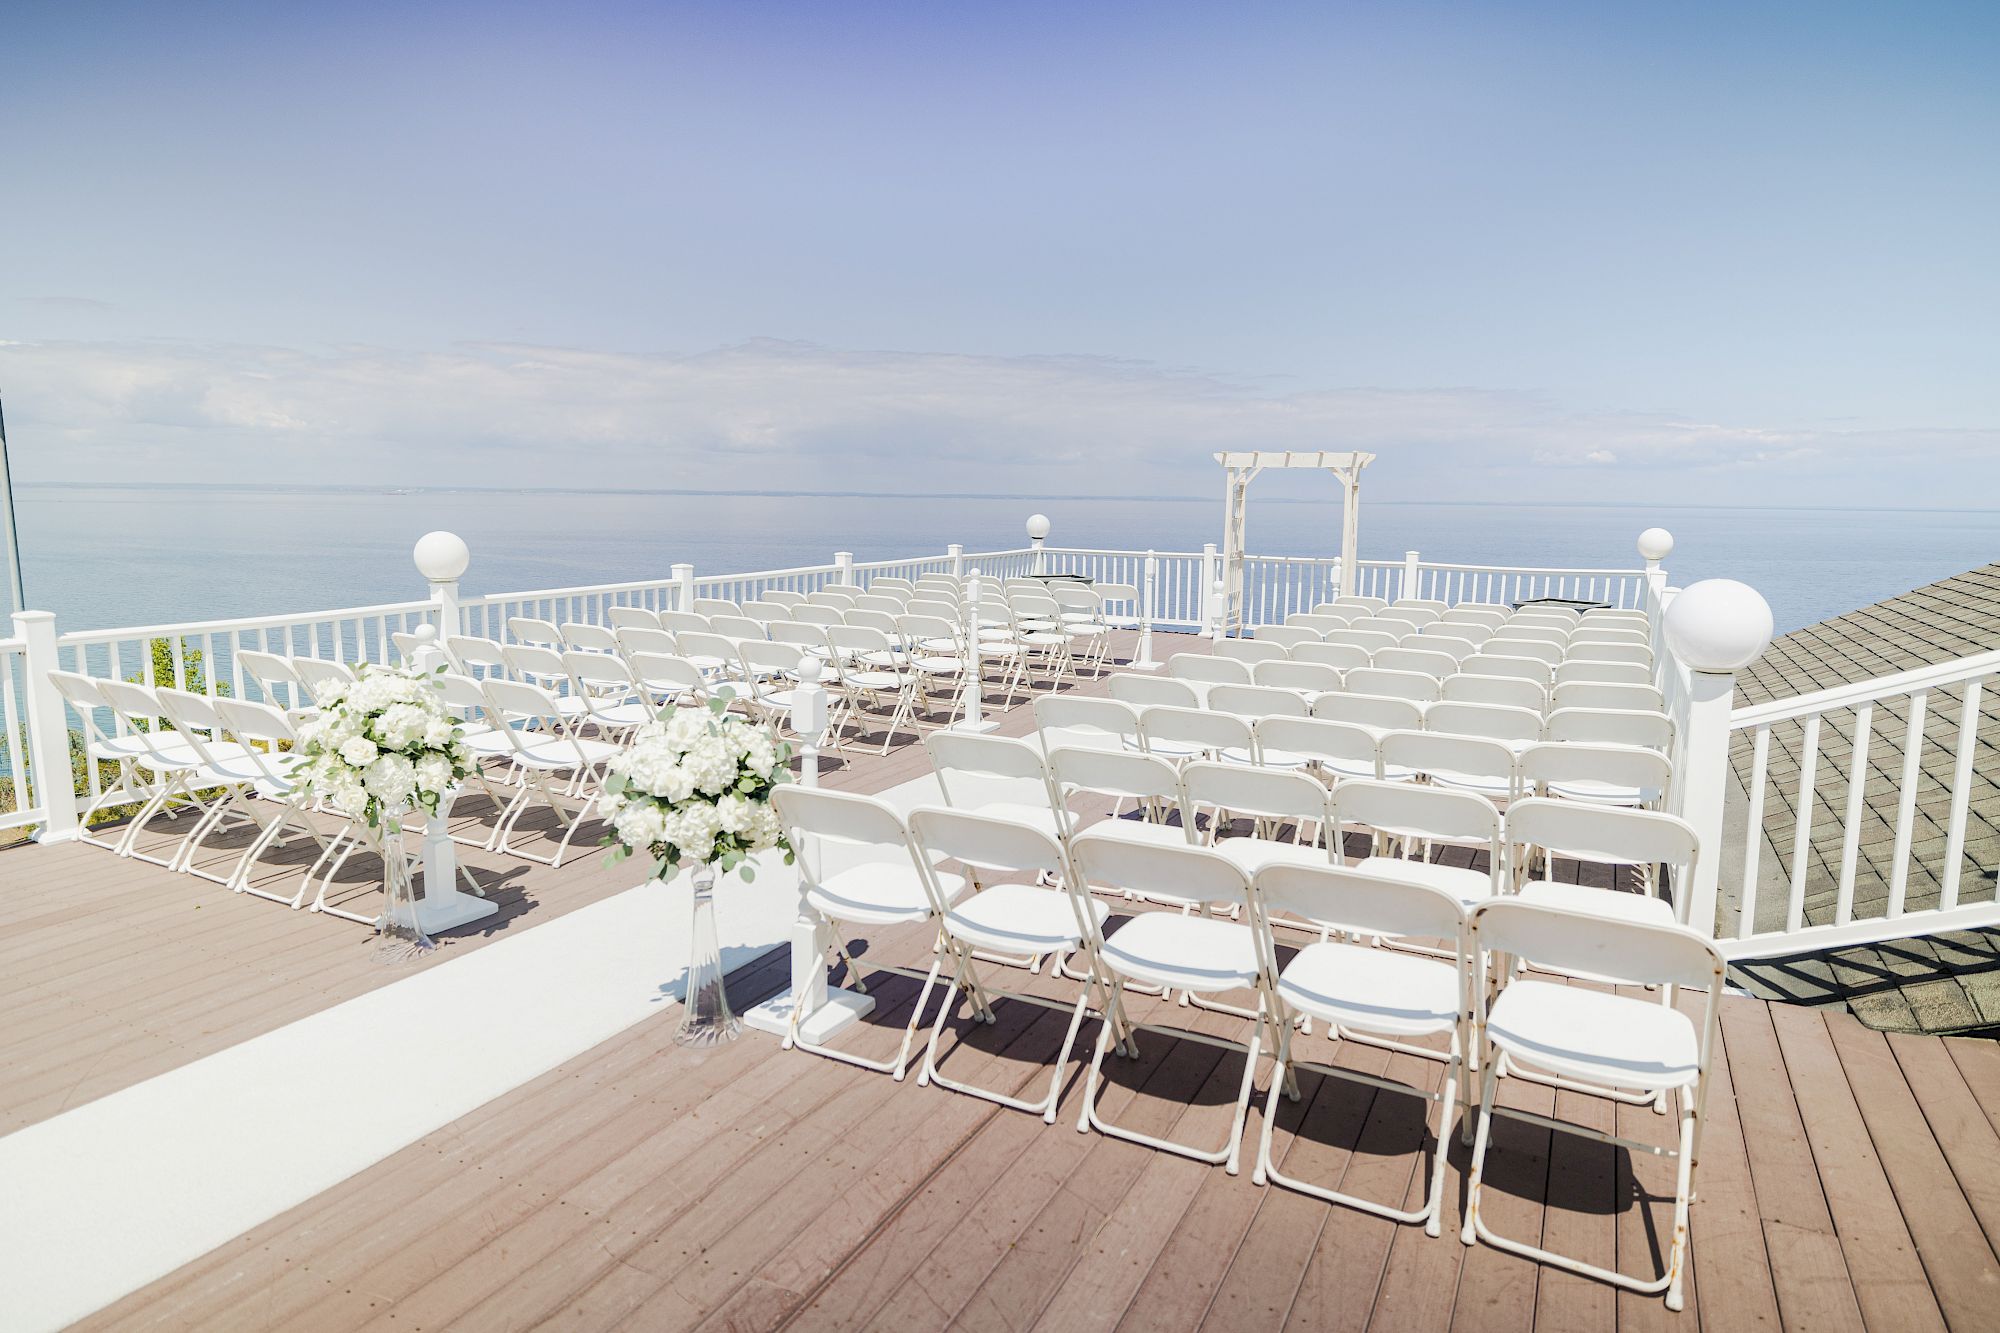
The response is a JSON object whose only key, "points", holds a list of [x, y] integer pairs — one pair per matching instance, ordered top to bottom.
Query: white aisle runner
{"points": [[99, 1201]]}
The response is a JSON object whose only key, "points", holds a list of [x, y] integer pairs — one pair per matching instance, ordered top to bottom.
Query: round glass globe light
{"points": [[1038, 526], [1655, 544], [441, 556], [1719, 625]]}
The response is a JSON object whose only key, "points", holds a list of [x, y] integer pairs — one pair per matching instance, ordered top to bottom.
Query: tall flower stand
{"points": [[441, 905], [706, 1018]]}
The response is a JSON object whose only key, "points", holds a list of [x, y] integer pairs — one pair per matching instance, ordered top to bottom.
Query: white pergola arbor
{"points": [[1243, 469]]}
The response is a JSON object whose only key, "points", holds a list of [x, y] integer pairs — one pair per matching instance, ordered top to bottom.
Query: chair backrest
{"points": [[890, 583], [1078, 598], [1119, 598], [791, 601], [874, 601], [1368, 604], [1430, 604], [716, 606], [937, 607], [767, 612], [815, 613], [1546, 613], [1346, 615], [1415, 615], [1611, 615], [631, 617], [1492, 617], [680, 622], [883, 622], [1321, 626], [739, 627], [531, 630], [1398, 630], [937, 631], [1465, 631], [1599, 632], [797, 635], [1285, 636], [590, 638], [636, 639], [1368, 640], [1510, 644], [695, 646], [1454, 646], [1252, 650], [468, 652], [1633, 654], [1339, 656], [763, 657], [534, 661], [1422, 661], [1489, 663], [1207, 668], [598, 669], [318, 673], [1603, 673], [275, 675], [666, 675], [1307, 678], [1415, 686], [1142, 691], [1511, 691], [83, 696], [464, 696], [1642, 698], [520, 701], [1255, 701], [135, 704], [1369, 710], [194, 718], [249, 721], [1493, 721], [1086, 723], [1612, 726], [1193, 727], [1317, 739], [1454, 761], [1616, 767], [975, 771], [1121, 774], [1260, 793], [1404, 809], [865, 828], [1608, 835], [983, 841], [1161, 870], [1342, 898], [1639, 953]]}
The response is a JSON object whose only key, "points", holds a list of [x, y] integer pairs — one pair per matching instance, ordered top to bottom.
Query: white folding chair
{"points": [[1368, 604], [715, 606], [1418, 616], [630, 617], [1491, 617], [1325, 619], [679, 622], [532, 630], [1456, 631], [587, 638], [638, 639], [1204, 669], [320, 674], [873, 680], [279, 681], [1143, 691], [1506, 691], [612, 698], [1255, 701], [1377, 713], [1086, 723], [1612, 726], [1517, 728], [259, 731], [1181, 734], [104, 745], [546, 747], [1335, 749], [173, 762], [1459, 763], [226, 768], [1000, 776], [1152, 784], [1270, 798], [1418, 819], [1541, 829], [857, 867], [1006, 919], [1203, 954], [1391, 998], [1594, 1042]]}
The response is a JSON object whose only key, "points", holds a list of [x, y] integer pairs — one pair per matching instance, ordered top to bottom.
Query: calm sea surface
{"points": [[107, 556]]}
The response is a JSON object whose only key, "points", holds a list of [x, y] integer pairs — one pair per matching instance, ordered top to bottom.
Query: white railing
{"points": [[1622, 588], [1925, 725]]}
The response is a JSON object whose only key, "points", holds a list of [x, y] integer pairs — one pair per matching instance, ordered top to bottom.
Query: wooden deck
{"points": [[1850, 1179]]}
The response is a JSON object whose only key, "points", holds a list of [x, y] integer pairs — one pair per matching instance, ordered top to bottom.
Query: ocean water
{"points": [[106, 555]]}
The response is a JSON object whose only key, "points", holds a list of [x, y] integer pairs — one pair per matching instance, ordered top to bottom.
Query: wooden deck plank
{"points": [[1964, 1131]]}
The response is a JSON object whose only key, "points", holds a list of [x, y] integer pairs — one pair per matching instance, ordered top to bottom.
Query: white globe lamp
{"points": [[1038, 527], [1655, 545], [441, 556], [1719, 625]]}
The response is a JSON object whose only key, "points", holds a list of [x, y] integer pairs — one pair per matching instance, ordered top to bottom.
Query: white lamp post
{"points": [[1038, 531], [1655, 545], [441, 557], [1714, 628], [1143, 660], [970, 716]]}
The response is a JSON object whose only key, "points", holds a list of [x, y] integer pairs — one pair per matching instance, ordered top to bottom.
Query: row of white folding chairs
{"points": [[1548, 645], [1310, 666], [1196, 681], [1585, 755], [903, 879]]}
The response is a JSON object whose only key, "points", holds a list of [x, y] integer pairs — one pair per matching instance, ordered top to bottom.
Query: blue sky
{"points": [[1696, 253]]}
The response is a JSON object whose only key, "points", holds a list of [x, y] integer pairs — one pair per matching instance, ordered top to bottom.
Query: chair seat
{"points": [[938, 665], [623, 715], [538, 750], [1271, 758], [1486, 784], [1038, 817], [1141, 830], [1253, 854], [1468, 886], [879, 893], [1600, 902], [1019, 919], [1198, 953], [1383, 991], [1614, 1041]]}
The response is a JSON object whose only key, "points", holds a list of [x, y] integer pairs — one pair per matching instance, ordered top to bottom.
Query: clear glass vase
{"points": [[399, 937], [706, 1018]]}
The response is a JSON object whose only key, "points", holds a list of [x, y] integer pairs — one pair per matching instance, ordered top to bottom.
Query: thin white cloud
{"points": [[785, 415]]}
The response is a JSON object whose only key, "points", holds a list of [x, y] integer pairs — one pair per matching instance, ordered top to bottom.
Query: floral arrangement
{"points": [[381, 745], [695, 787]]}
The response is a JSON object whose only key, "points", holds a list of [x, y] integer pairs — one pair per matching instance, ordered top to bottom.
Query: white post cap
{"points": [[1038, 526], [1655, 544], [441, 556], [1719, 625], [424, 633]]}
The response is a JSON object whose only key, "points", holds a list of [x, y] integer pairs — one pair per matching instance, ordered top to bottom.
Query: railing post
{"points": [[1038, 531], [1655, 545], [957, 554], [441, 557], [843, 568], [684, 583], [1410, 588], [1337, 589], [1218, 598], [1205, 609], [1714, 628], [1143, 660], [971, 718], [50, 778]]}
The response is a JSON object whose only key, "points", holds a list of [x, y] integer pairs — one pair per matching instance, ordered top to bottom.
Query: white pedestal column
{"points": [[445, 907]]}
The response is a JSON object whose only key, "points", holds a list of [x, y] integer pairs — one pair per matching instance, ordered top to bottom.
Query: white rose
{"points": [[437, 732], [358, 751], [434, 772]]}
